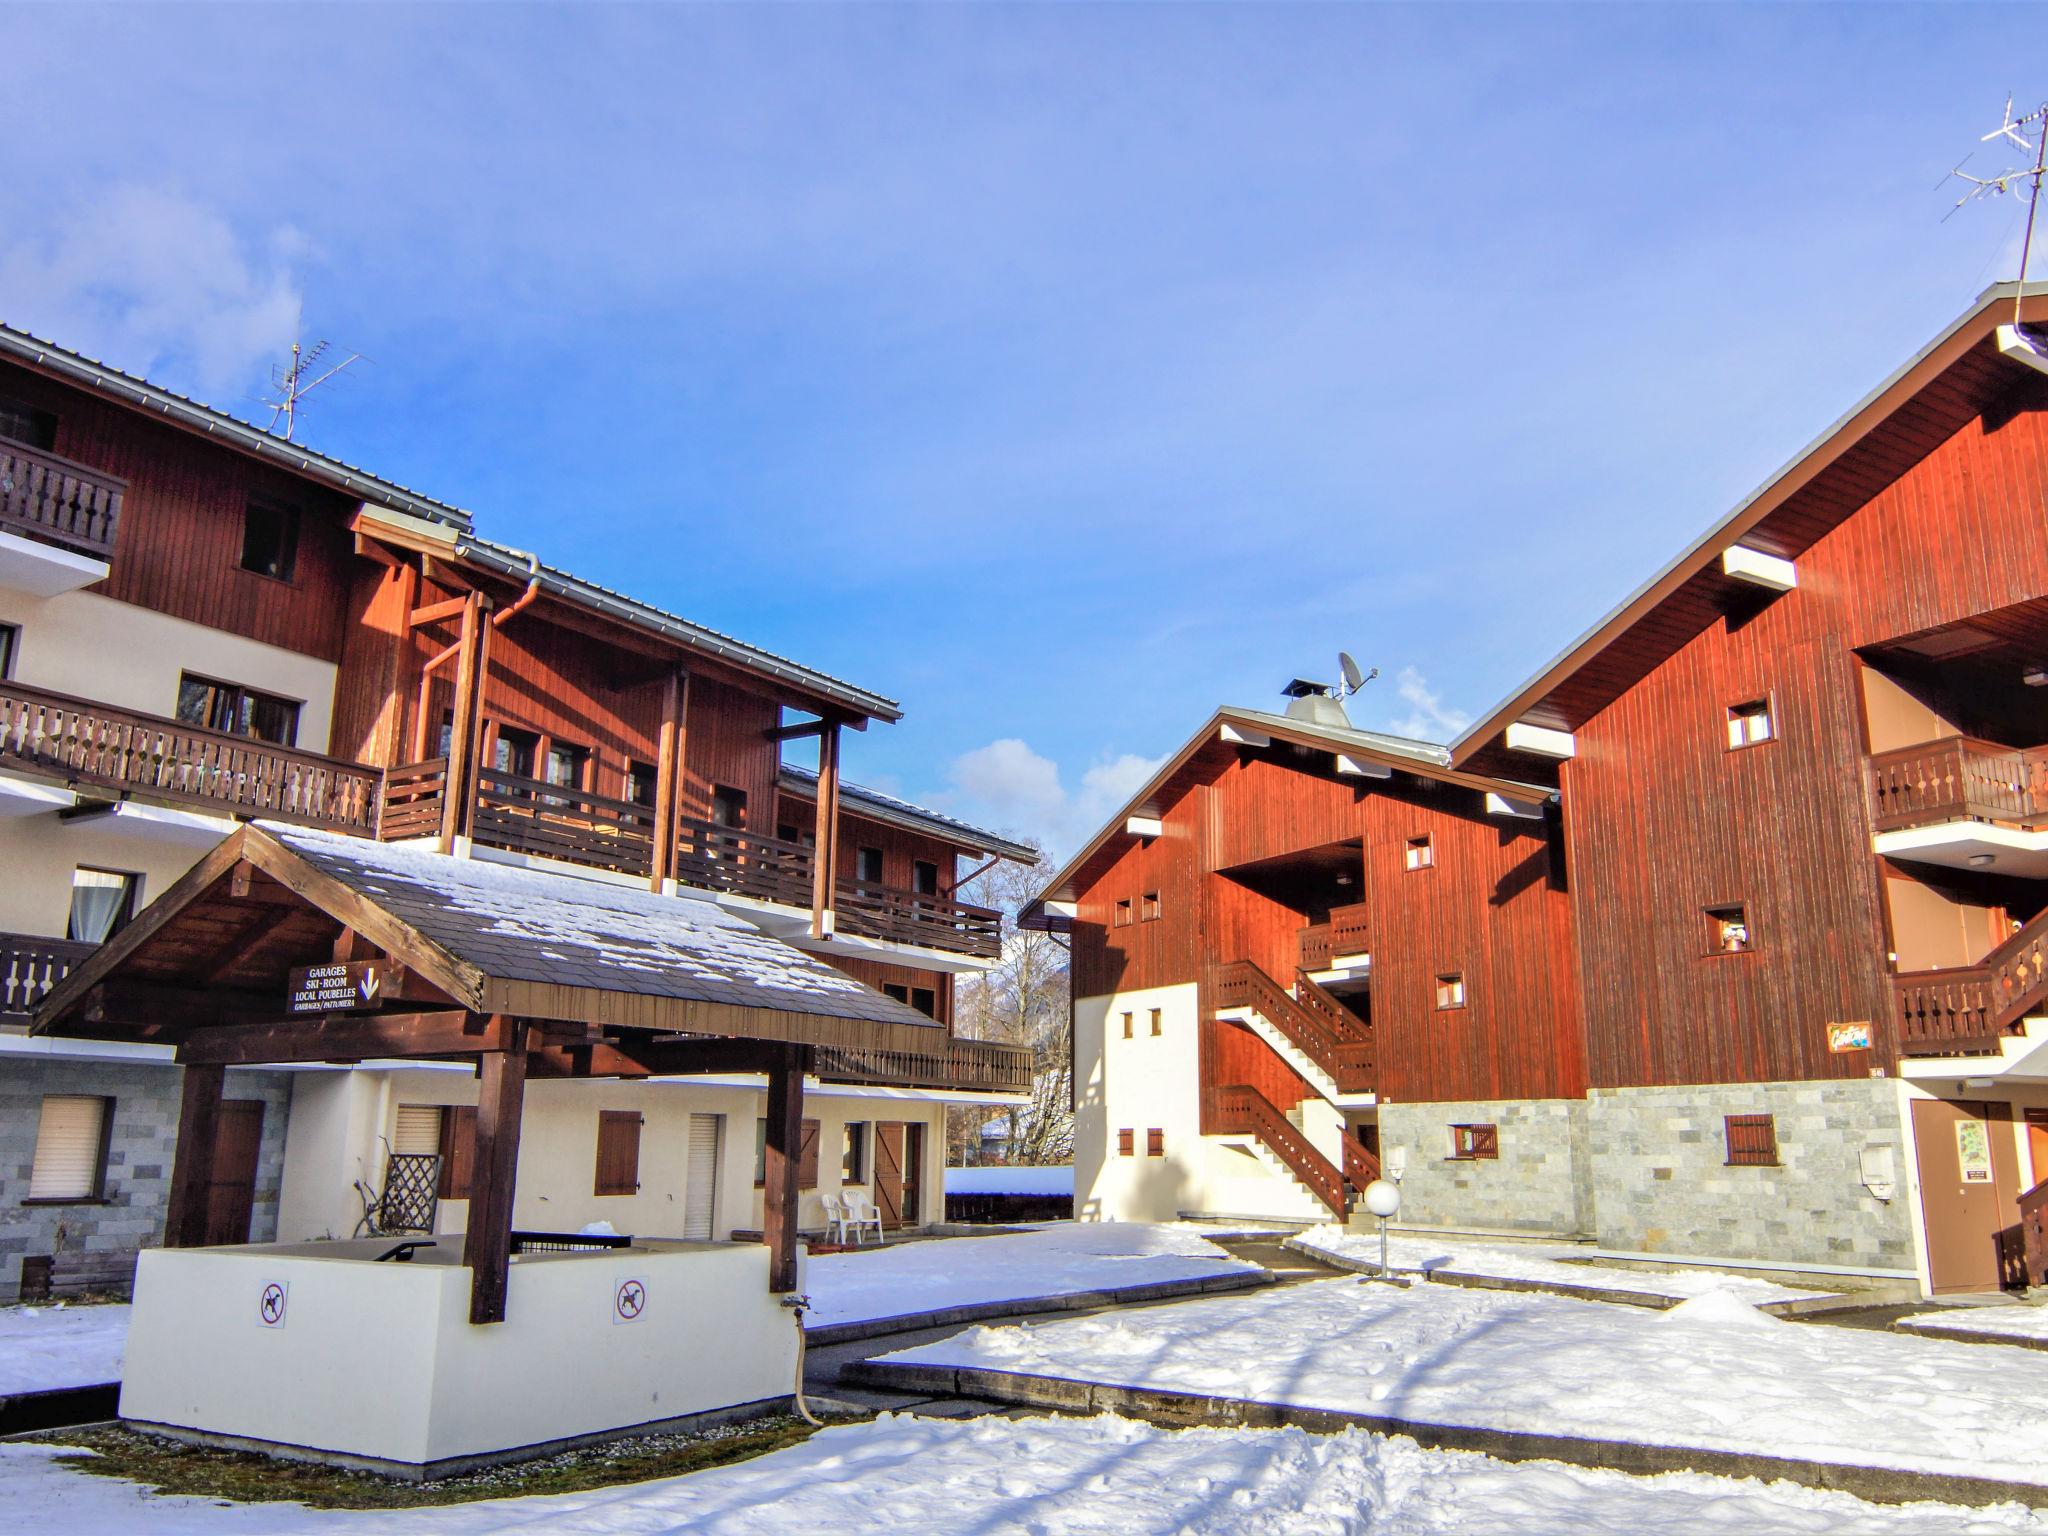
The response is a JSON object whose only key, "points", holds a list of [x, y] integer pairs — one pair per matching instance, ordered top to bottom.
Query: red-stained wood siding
{"points": [[179, 547], [728, 745], [1665, 821], [901, 848], [1165, 951], [876, 973], [1237, 1057]]}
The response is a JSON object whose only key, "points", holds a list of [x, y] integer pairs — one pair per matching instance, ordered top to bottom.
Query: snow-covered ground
{"points": [[1054, 1260], [1538, 1264], [2028, 1323], [42, 1347], [1711, 1372], [1074, 1477]]}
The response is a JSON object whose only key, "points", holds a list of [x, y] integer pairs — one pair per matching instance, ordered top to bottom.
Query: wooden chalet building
{"points": [[203, 625], [1765, 977]]}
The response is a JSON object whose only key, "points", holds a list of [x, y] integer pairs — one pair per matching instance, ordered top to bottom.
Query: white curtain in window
{"points": [[97, 901]]}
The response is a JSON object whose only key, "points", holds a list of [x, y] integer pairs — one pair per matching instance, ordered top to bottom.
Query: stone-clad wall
{"points": [[139, 1154], [1538, 1183], [1662, 1184]]}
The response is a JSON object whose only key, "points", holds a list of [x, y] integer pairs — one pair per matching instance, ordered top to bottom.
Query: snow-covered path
{"points": [[1054, 1260], [1539, 1264], [2027, 1325], [42, 1347], [1711, 1373], [1052, 1477]]}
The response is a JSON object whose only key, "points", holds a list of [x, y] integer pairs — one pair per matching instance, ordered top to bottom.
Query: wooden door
{"points": [[889, 1171], [913, 1173], [231, 1197], [1966, 1213]]}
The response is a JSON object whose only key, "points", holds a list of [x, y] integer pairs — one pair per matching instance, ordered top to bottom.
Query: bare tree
{"points": [[1023, 1000]]}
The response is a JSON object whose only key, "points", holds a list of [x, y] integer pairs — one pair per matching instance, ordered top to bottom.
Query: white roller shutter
{"points": [[418, 1129], [68, 1142], [700, 1182]]}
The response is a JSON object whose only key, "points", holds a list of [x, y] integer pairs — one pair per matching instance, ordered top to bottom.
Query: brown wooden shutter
{"points": [[1486, 1141], [1752, 1141], [1155, 1142], [1123, 1143], [458, 1150], [618, 1152], [807, 1156]]}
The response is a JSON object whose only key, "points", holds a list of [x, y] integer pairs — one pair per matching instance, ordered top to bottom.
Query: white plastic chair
{"points": [[861, 1214], [835, 1218]]}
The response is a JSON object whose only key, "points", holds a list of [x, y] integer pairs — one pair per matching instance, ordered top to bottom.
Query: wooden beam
{"points": [[433, 613], [463, 749], [668, 775], [825, 857], [189, 1006], [346, 1037], [192, 1161], [779, 1193], [487, 1246]]}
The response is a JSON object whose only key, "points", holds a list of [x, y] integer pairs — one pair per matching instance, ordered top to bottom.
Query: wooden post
{"points": [[464, 750], [668, 775], [825, 857], [192, 1163], [779, 1193], [487, 1246]]}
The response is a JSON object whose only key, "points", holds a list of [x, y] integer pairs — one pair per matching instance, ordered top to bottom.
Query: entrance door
{"points": [[889, 1171], [913, 1172], [700, 1177], [1968, 1186], [231, 1196]]}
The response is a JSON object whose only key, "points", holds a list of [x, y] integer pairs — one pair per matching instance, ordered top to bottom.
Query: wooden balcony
{"points": [[58, 502], [128, 752], [1959, 778], [743, 863], [908, 917], [1344, 934], [30, 965], [1967, 1010], [980, 1066]]}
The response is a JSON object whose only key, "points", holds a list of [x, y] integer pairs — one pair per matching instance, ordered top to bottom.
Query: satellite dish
{"points": [[1353, 678]]}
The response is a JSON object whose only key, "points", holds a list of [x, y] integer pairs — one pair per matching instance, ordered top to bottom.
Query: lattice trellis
{"points": [[412, 1183]]}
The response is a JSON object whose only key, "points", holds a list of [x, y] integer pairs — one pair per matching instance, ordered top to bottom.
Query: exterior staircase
{"points": [[1970, 1009], [1276, 1138]]}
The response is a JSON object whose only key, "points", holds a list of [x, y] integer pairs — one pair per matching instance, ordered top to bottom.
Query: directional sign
{"points": [[348, 987], [629, 1300], [271, 1303]]}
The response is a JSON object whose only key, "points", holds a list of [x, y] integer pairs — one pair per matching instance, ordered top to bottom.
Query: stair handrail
{"points": [[2017, 973], [1325, 1031], [1242, 1110], [1360, 1166]]}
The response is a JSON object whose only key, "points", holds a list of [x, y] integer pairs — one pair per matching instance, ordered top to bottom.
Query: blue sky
{"points": [[1063, 372]]}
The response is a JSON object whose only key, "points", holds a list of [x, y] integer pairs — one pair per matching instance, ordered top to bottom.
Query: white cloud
{"points": [[159, 284], [1428, 718], [1010, 788]]}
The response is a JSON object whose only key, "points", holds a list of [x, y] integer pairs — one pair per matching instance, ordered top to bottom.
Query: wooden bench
{"points": [[78, 1273]]}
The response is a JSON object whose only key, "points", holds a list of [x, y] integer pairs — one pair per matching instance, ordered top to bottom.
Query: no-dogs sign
{"points": [[629, 1300]]}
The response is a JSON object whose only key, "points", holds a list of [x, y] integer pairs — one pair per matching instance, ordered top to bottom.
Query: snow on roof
{"points": [[804, 781], [535, 925], [1011, 1181]]}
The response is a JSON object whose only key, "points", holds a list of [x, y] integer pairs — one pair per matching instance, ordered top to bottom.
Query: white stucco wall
{"points": [[39, 852], [380, 1361]]}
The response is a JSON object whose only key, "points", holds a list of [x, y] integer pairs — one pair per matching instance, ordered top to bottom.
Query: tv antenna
{"points": [[2013, 132], [291, 382], [1353, 678]]}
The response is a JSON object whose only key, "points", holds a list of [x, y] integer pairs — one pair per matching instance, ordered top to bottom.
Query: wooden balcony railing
{"points": [[56, 501], [121, 749], [1958, 778], [551, 821], [742, 863], [909, 917], [1343, 934], [30, 966], [1966, 1010], [1319, 1026], [979, 1066], [1240, 1110], [1360, 1166]]}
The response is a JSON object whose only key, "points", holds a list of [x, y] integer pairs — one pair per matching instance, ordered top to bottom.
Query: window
{"points": [[27, 425], [270, 540], [10, 645], [239, 711], [1750, 723], [515, 751], [566, 765], [640, 782], [728, 806], [786, 830], [1420, 853], [867, 866], [924, 877], [102, 902], [1149, 911], [1123, 914], [1728, 931], [1450, 991], [925, 1000], [1156, 1020], [1127, 1026], [416, 1130], [1752, 1141], [1155, 1142], [1469, 1142], [1123, 1143], [71, 1148], [618, 1152], [853, 1163]]}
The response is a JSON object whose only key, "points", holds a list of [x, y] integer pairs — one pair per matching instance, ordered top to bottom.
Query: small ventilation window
{"points": [[1750, 724], [1420, 853], [1149, 911], [1123, 914], [1728, 931], [1450, 991], [1156, 1021], [1127, 1026], [1752, 1141], [1470, 1142]]}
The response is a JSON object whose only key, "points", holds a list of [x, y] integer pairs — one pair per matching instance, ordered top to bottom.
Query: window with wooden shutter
{"points": [[1157, 1021], [1474, 1141], [1752, 1141], [1155, 1142], [1123, 1143], [71, 1148], [458, 1150], [618, 1152], [807, 1156]]}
